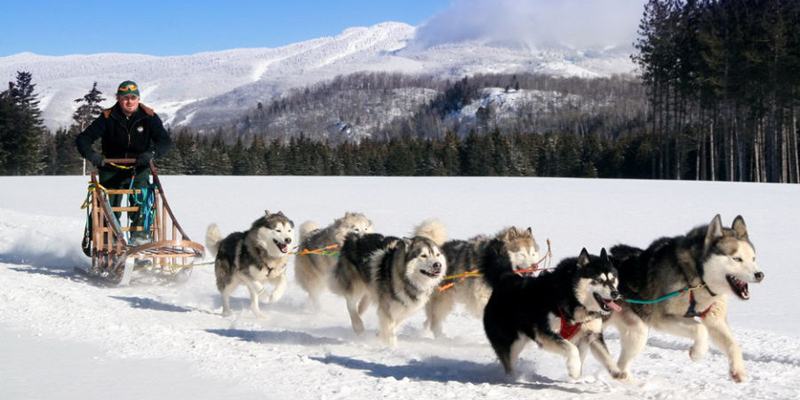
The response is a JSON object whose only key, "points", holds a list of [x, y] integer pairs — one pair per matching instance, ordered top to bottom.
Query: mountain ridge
{"points": [[194, 89]]}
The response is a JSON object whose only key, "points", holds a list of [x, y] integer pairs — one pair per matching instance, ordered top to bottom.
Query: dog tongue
{"points": [[614, 306]]}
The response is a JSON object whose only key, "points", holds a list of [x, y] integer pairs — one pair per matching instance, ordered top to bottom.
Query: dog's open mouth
{"points": [[283, 247], [429, 274], [739, 287], [607, 304]]}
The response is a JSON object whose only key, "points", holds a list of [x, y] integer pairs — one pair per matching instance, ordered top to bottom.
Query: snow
{"points": [[228, 82], [63, 337]]}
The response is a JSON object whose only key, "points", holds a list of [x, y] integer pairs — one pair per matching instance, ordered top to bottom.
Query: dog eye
{"points": [[423, 255], [738, 259]]}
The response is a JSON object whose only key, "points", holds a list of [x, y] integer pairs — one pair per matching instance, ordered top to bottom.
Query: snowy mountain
{"points": [[205, 86], [65, 338]]}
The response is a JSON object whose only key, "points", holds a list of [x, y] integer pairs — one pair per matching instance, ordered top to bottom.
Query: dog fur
{"points": [[466, 255], [252, 258], [722, 259], [312, 270], [397, 274], [548, 308]]}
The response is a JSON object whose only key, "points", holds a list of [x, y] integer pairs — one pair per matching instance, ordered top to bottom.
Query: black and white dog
{"points": [[253, 257], [397, 274], [561, 310]]}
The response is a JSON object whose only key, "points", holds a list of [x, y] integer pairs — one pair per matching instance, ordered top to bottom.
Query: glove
{"points": [[144, 159], [97, 160]]}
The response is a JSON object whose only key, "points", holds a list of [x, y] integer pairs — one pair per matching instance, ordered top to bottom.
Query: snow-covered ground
{"points": [[66, 338]]}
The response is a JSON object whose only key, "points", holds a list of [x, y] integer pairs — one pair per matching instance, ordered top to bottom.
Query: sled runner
{"points": [[168, 251]]}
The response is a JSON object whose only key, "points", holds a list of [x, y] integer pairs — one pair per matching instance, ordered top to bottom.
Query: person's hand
{"points": [[144, 159], [97, 160]]}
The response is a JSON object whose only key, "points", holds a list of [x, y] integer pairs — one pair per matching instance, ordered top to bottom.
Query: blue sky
{"points": [[166, 27], [182, 27]]}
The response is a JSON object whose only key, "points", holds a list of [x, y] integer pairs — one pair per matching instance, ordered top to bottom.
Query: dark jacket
{"points": [[125, 137]]}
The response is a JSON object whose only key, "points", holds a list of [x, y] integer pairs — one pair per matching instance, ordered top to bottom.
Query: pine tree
{"points": [[22, 130]]}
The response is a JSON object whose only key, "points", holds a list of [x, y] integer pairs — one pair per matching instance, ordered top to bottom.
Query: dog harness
{"points": [[691, 312], [567, 331]]}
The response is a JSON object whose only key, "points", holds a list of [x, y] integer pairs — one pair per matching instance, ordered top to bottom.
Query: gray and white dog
{"points": [[467, 255], [252, 258], [717, 261], [312, 270], [397, 274]]}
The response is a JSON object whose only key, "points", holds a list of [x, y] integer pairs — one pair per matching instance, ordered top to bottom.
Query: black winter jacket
{"points": [[125, 137]]}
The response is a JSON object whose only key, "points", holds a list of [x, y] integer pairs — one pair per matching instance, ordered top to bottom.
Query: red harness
{"points": [[691, 312], [567, 331]]}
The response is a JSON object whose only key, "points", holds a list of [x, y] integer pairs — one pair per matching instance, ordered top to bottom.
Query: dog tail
{"points": [[432, 229], [305, 231], [213, 237], [622, 252], [496, 266]]}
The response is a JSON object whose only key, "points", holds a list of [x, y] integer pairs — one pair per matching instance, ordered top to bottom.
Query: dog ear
{"points": [[266, 213], [739, 227], [530, 232], [714, 232], [603, 255], [399, 256], [583, 259]]}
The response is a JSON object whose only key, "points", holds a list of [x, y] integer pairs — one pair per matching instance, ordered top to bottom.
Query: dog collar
{"points": [[567, 331]]}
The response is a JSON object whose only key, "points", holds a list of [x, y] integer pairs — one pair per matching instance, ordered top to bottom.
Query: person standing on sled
{"points": [[129, 129]]}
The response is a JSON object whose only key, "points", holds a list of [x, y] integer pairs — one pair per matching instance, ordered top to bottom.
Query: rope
{"points": [[322, 251], [474, 273], [667, 296]]}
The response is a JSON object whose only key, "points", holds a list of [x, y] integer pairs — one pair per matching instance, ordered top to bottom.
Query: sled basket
{"points": [[169, 251]]}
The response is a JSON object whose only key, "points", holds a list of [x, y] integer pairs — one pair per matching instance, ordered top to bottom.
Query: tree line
{"points": [[723, 87]]}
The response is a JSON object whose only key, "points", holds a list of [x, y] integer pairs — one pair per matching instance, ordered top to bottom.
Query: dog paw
{"points": [[227, 313], [358, 328], [698, 351], [574, 369], [621, 375], [738, 375]]}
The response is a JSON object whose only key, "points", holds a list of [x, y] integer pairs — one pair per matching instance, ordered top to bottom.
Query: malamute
{"points": [[466, 255], [252, 258], [714, 261], [312, 270], [397, 274], [561, 310]]}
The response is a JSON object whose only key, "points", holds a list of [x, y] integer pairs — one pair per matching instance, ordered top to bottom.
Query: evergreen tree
{"points": [[21, 134]]}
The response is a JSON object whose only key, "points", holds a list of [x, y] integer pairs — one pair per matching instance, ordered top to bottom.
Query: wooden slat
{"points": [[123, 191], [134, 208]]}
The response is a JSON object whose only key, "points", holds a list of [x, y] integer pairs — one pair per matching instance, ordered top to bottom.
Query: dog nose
{"points": [[288, 240], [437, 266], [759, 276], [615, 295]]}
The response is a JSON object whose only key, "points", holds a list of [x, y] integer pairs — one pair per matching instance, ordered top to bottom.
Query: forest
{"points": [[716, 97]]}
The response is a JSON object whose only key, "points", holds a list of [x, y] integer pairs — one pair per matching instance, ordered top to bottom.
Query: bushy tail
{"points": [[432, 229], [305, 231], [213, 237], [621, 252], [495, 265]]}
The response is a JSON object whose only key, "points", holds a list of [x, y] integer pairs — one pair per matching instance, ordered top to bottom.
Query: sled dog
{"points": [[465, 256], [252, 258], [713, 260], [312, 270], [397, 274], [561, 310]]}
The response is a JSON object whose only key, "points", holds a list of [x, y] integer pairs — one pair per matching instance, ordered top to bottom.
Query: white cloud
{"points": [[535, 23]]}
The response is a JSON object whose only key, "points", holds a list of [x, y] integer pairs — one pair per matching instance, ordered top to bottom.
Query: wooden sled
{"points": [[170, 252]]}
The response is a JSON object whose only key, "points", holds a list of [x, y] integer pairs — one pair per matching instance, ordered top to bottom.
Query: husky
{"points": [[465, 256], [252, 258], [711, 260], [312, 270], [399, 274], [561, 310]]}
